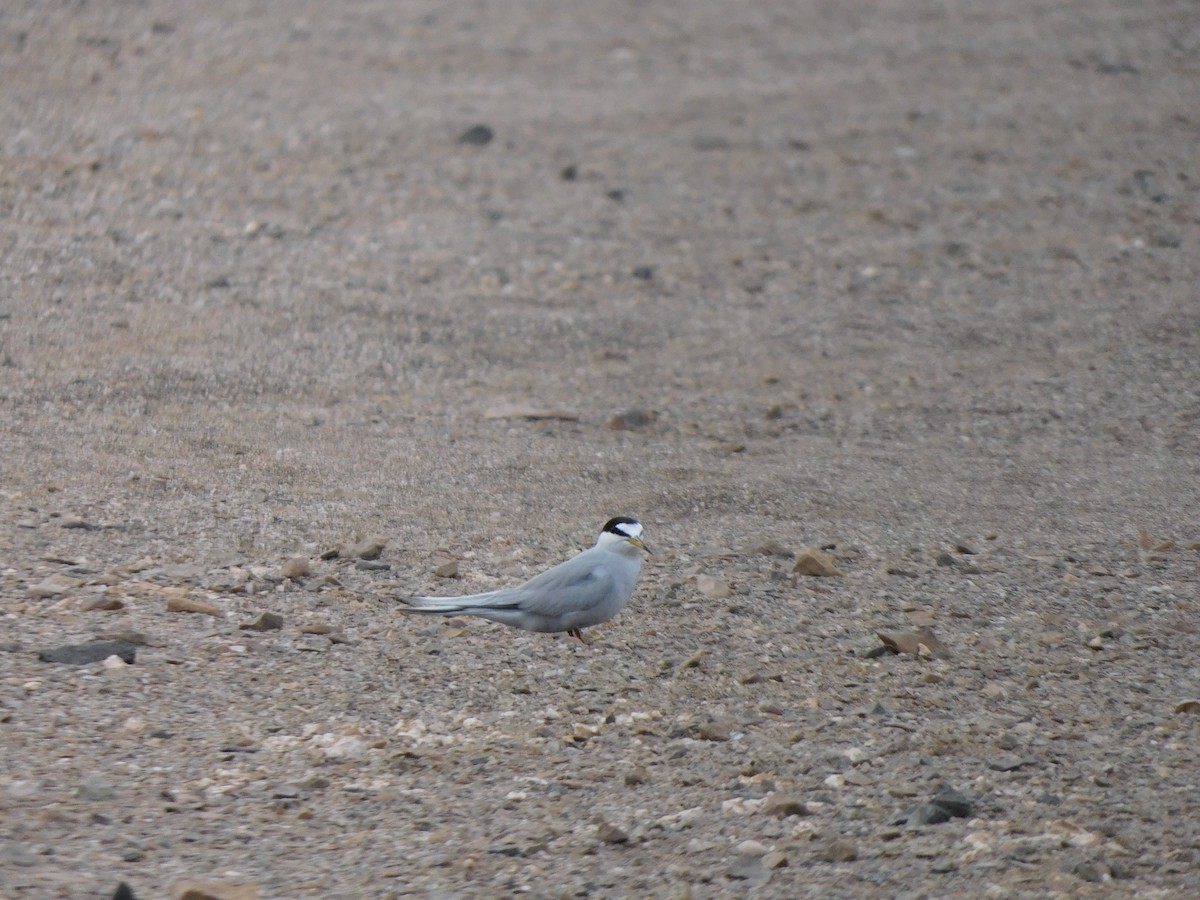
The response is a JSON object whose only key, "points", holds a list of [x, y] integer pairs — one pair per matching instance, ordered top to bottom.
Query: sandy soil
{"points": [[918, 283]]}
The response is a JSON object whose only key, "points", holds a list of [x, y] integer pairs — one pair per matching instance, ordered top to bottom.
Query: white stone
{"points": [[751, 848]]}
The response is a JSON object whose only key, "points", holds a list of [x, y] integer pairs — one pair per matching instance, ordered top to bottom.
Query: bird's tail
{"points": [[451, 605]]}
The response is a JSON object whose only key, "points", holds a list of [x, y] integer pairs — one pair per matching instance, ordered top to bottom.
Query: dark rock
{"points": [[477, 136], [1147, 182], [645, 273], [632, 419], [267, 621], [91, 652], [637, 775], [954, 802], [946, 804], [781, 806], [923, 814], [506, 850], [1119, 870], [1091, 871], [123, 892]]}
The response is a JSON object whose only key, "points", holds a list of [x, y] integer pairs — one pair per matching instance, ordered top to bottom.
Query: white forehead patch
{"points": [[629, 529]]}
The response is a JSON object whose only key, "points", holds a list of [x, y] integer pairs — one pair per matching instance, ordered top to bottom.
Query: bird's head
{"points": [[622, 532]]}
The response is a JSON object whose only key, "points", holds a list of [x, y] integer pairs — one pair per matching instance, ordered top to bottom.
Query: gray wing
{"points": [[573, 586]]}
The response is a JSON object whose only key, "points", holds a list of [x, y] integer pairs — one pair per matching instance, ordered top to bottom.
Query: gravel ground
{"points": [[911, 284]]}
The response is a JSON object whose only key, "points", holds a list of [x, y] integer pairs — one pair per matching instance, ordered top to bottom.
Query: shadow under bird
{"points": [[583, 591]]}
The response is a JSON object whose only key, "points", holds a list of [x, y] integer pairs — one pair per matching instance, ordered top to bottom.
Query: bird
{"points": [[585, 590]]}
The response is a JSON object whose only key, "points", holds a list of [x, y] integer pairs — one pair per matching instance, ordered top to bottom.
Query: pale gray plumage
{"points": [[583, 591]]}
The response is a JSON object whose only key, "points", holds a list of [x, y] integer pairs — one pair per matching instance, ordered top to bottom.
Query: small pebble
{"points": [[773, 548], [369, 549], [816, 563], [297, 567], [54, 586], [713, 588], [101, 603], [188, 605], [713, 731], [583, 732], [347, 747], [1007, 762], [637, 775], [96, 790], [781, 806], [608, 833], [751, 848], [841, 851], [17, 854], [748, 868], [193, 889]]}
